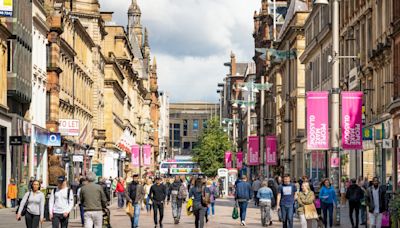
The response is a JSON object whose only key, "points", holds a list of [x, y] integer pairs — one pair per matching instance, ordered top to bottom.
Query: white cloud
{"points": [[192, 39]]}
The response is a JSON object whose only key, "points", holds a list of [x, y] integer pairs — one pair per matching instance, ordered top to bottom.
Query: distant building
{"points": [[186, 121], [163, 125]]}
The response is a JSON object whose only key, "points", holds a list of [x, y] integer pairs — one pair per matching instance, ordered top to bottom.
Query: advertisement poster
{"points": [[6, 8], [352, 120], [317, 121], [254, 150], [271, 150], [135, 155], [146, 155], [228, 159], [239, 160]]}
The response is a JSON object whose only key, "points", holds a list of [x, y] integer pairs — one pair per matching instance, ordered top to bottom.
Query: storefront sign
{"points": [[6, 8], [352, 120], [317, 121], [69, 127], [367, 134], [53, 139], [19, 140], [126, 141], [387, 144], [254, 150], [271, 150], [146, 155], [135, 156], [77, 158], [228, 159], [239, 160], [335, 162], [97, 169], [182, 171]]}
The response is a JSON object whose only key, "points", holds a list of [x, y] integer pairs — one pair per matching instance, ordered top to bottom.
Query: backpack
{"points": [[182, 194], [206, 196]]}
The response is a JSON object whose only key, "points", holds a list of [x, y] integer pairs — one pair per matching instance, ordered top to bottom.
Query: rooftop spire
{"points": [[134, 8]]}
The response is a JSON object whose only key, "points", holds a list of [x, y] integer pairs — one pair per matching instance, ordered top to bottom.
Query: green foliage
{"points": [[211, 147], [394, 208]]}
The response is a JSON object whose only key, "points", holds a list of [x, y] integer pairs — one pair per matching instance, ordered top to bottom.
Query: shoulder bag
{"points": [[25, 209]]}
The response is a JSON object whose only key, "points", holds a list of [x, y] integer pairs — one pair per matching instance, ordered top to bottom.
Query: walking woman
{"points": [[147, 187], [120, 190], [266, 196], [305, 197], [328, 199], [35, 206], [199, 209]]}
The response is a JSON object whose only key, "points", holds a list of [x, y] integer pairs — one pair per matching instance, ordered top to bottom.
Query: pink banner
{"points": [[352, 120], [317, 121], [270, 149], [254, 150], [146, 155], [135, 156], [228, 159], [239, 160]]}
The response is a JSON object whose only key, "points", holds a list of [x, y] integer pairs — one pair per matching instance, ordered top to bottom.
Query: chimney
{"points": [[106, 16], [233, 64]]}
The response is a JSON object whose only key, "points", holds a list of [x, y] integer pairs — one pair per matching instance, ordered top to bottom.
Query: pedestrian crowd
{"points": [[313, 205]]}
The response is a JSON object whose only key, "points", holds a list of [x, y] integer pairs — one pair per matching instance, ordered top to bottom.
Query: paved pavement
{"points": [[222, 219]]}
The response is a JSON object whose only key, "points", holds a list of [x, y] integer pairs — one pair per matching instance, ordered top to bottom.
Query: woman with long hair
{"points": [[147, 187], [327, 195], [305, 197], [34, 200], [199, 209]]}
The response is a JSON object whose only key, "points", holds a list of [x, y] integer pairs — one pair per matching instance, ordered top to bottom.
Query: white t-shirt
{"points": [[375, 195], [61, 204]]}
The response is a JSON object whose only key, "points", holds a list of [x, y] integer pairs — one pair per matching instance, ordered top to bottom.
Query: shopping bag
{"points": [[189, 207], [130, 210], [235, 212], [310, 212], [385, 219]]}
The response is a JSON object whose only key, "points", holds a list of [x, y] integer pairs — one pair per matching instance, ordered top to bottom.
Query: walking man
{"points": [[256, 185], [158, 193], [243, 194], [287, 194], [176, 195], [354, 195], [135, 196], [266, 196], [93, 199], [61, 203], [377, 203]]}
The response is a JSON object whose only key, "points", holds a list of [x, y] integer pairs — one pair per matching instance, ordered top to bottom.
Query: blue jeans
{"points": [[121, 199], [148, 205], [327, 207], [213, 208], [243, 209], [82, 212], [136, 214], [287, 216]]}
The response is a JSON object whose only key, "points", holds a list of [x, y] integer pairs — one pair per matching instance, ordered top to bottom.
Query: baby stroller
{"points": [[106, 218]]}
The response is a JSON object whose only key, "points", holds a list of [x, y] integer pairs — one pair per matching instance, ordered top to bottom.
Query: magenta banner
{"points": [[352, 120], [317, 121], [254, 150], [270, 150], [146, 155], [135, 156], [228, 159], [239, 160]]}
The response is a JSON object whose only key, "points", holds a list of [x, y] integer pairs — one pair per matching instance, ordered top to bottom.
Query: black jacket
{"points": [[158, 193], [354, 193], [383, 199]]}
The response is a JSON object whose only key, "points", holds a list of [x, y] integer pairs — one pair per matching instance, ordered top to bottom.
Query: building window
{"points": [[9, 56], [48, 106], [204, 123], [195, 125], [185, 127], [177, 144], [194, 144], [186, 145]]}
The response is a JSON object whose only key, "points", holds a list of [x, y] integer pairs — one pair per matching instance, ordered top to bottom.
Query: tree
{"points": [[210, 150]]}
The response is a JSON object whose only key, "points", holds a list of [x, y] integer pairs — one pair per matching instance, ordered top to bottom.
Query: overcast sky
{"points": [[191, 40]]}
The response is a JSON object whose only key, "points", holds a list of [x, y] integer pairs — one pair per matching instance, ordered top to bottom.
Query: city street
{"points": [[221, 220]]}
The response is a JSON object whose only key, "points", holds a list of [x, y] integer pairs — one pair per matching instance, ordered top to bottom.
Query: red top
{"points": [[120, 187]]}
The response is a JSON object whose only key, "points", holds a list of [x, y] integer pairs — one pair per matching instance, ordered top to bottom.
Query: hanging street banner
{"points": [[6, 8], [352, 120], [317, 121], [254, 150], [270, 150], [146, 155], [135, 156], [228, 159], [239, 160]]}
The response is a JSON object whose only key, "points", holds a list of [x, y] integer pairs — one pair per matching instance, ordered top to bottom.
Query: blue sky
{"points": [[191, 40]]}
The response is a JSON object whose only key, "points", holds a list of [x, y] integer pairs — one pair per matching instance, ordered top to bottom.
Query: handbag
{"points": [[189, 207], [25, 209], [130, 210], [235, 212], [310, 212], [385, 219]]}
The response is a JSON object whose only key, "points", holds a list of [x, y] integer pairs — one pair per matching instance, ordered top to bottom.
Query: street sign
{"points": [[387, 144], [77, 158], [97, 169]]}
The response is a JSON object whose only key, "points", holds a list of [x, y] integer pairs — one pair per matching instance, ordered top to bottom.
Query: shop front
{"points": [[39, 154], [5, 156]]}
